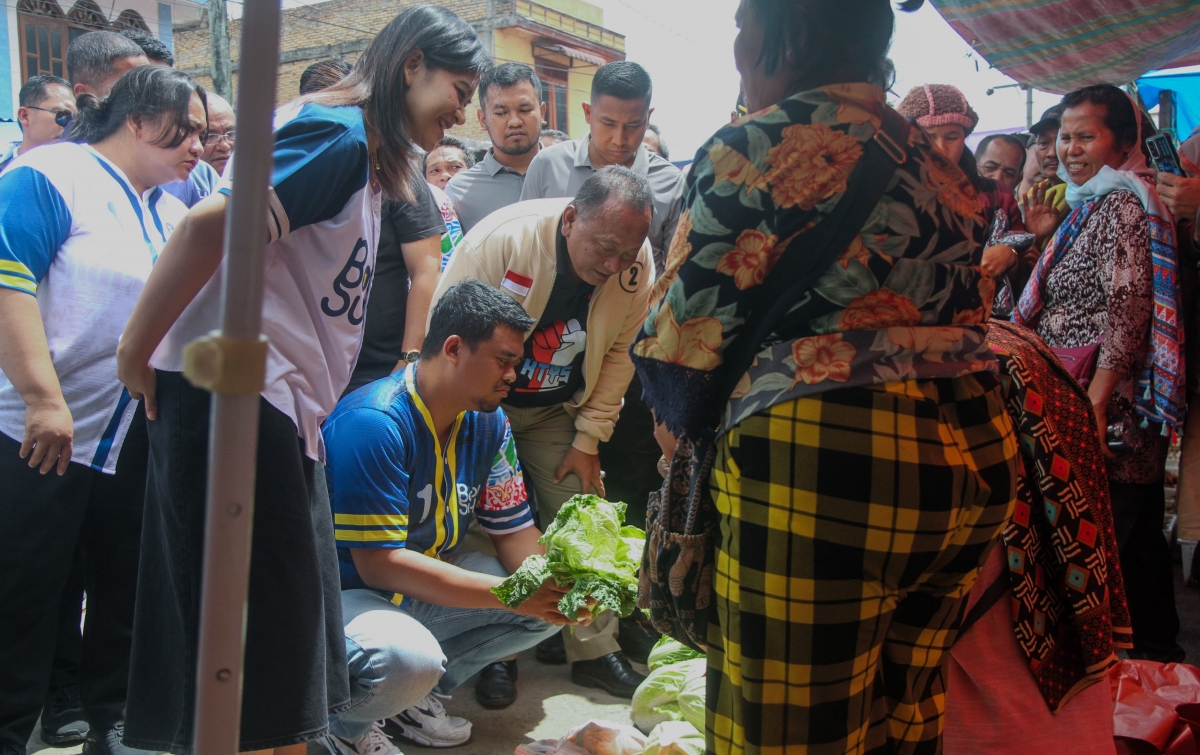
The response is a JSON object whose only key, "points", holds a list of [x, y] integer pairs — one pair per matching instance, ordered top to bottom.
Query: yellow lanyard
{"points": [[447, 459]]}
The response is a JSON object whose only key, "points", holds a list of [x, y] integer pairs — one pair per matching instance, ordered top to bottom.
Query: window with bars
{"points": [[554, 93]]}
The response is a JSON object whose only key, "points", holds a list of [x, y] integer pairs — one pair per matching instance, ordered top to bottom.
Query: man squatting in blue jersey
{"points": [[410, 459]]}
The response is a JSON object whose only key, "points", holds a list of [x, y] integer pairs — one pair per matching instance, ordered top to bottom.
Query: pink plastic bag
{"points": [[1145, 698], [593, 738]]}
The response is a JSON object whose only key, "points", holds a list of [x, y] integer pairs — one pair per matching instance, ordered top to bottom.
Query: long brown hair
{"points": [[376, 84]]}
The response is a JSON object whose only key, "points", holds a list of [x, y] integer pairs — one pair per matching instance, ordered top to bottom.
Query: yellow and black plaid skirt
{"points": [[853, 524]]}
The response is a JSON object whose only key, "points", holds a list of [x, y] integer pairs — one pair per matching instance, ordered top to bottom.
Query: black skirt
{"points": [[295, 663]]}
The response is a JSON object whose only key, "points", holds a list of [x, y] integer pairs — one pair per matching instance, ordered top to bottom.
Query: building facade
{"points": [[34, 34], [565, 40]]}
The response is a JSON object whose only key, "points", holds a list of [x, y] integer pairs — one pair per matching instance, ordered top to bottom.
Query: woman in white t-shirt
{"points": [[336, 152], [81, 225]]}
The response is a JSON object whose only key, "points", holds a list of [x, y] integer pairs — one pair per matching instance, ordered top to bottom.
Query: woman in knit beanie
{"points": [[945, 113], [1009, 252]]}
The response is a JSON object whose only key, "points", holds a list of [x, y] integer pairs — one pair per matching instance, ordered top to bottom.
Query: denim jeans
{"points": [[399, 655]]}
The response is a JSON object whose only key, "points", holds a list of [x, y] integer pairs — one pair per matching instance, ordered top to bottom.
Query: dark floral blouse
{"points": [[906, 299]]}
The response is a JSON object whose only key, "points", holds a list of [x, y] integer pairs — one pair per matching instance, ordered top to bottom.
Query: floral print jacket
{"points": [[905, 300]]}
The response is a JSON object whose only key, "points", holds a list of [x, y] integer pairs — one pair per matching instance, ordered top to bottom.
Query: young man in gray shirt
{"points": [[511, 111], [618, 116]]}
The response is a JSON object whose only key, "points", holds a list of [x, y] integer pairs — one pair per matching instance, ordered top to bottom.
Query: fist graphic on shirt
{"points": [[560, 343]]}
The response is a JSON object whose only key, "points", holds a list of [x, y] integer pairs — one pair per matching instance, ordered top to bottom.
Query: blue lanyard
{"points": [[137, 207]]}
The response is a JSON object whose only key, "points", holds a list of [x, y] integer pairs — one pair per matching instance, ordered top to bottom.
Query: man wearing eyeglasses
{"points": [[47, 107], [218, 144]]}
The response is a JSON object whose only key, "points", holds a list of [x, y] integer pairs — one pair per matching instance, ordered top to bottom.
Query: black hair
{"points": [[833, 42], [154, 49], [91, 56], [323, 74], [505, 76], [624, 80], [376, 83], [34, 91], [146, 93], [1120, 117], [554, 133], [450, 140], [1013, 140], [664, 152], [615, 180], [472, 310]]}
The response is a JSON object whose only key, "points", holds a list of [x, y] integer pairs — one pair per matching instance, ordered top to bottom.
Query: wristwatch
{"points": [[410, 356]]}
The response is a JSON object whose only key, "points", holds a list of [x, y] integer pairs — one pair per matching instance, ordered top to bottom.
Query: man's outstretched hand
{"points": [[543, 605]]}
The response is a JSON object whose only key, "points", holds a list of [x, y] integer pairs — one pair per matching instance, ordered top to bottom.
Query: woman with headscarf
{"points": [[1009, 252], [1105, 293], [865, 462]]}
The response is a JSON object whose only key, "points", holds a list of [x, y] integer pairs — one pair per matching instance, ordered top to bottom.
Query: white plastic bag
{"points": [[592, 738]]}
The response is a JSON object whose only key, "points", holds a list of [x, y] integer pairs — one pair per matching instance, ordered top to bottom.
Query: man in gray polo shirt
{"points": [[511, 111], [618, 115]]}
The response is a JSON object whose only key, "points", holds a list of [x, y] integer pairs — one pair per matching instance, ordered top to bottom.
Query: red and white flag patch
{"points": [[516, 283]]}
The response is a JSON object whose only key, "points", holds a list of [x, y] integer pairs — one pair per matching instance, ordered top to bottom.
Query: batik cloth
{"points": [[853, 525], [1068, 598]]}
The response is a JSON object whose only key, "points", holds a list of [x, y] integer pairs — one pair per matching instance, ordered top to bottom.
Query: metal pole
{"points": [[218, 45], [1028, 106], [233, 432]]}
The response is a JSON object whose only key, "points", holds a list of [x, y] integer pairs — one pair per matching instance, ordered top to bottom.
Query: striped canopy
{"points": [[1061, 45]]}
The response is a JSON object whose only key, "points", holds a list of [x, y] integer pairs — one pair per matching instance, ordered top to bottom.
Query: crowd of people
{"points": [[856, 352]]}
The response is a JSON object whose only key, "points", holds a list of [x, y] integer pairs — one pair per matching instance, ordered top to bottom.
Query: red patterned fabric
{"points": [[1069, 606]]}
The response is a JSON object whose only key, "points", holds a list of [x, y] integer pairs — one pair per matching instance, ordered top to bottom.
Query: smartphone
{"points": [[1163, 154]]}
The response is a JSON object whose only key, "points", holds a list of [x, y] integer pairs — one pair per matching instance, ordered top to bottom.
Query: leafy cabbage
{"points": [[588, 549], [667, 651], [657, 698], [691, 700], [675, 738]]}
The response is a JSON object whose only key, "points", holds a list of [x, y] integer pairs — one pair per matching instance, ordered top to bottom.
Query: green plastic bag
{"points": [[667, 651], [657, 698], [675, 738]]}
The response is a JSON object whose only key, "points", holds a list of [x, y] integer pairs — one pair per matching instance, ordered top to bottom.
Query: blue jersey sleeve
{"points": [[321, 161], [34, 224], [367, 480], [505, 505]]}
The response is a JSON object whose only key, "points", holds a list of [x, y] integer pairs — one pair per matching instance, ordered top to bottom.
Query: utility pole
{"points": [[218, 40]]}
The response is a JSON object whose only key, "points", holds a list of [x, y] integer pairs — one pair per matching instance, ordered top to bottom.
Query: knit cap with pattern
{"points": [[938, 105]]}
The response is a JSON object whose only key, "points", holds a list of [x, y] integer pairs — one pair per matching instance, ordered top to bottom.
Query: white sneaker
{"points": [[428, 724], [374, 742]]}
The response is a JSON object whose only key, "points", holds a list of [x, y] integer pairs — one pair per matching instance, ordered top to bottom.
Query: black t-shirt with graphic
{"points": [[552, 369]]}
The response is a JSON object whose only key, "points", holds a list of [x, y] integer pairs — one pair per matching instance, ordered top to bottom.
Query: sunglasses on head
{"points": [[61, 117]]}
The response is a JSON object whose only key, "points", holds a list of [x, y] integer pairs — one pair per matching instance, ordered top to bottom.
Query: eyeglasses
{"points": [[61, 117], [211, 140]]}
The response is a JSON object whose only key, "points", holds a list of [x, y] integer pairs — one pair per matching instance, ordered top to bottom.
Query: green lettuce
{"points": [[589, 550], [669, 650], [675, 738]]}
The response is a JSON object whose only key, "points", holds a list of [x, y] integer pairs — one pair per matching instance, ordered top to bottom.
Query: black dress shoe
{"points": [[637, 637], [552, 650], [611, 672], [497, 685], [62, 717]]}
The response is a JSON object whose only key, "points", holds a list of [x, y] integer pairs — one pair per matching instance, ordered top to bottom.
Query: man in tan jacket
{"points": [[583, 270]]}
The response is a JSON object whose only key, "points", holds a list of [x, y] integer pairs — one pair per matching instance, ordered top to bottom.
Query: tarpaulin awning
{"points": [[1061, 45], [572, 52], [1186, 87]]}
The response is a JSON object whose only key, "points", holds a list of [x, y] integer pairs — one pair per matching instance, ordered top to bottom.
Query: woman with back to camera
{"points": [[336, 152], [81, 225], [1105, 296], [864, 462]]}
